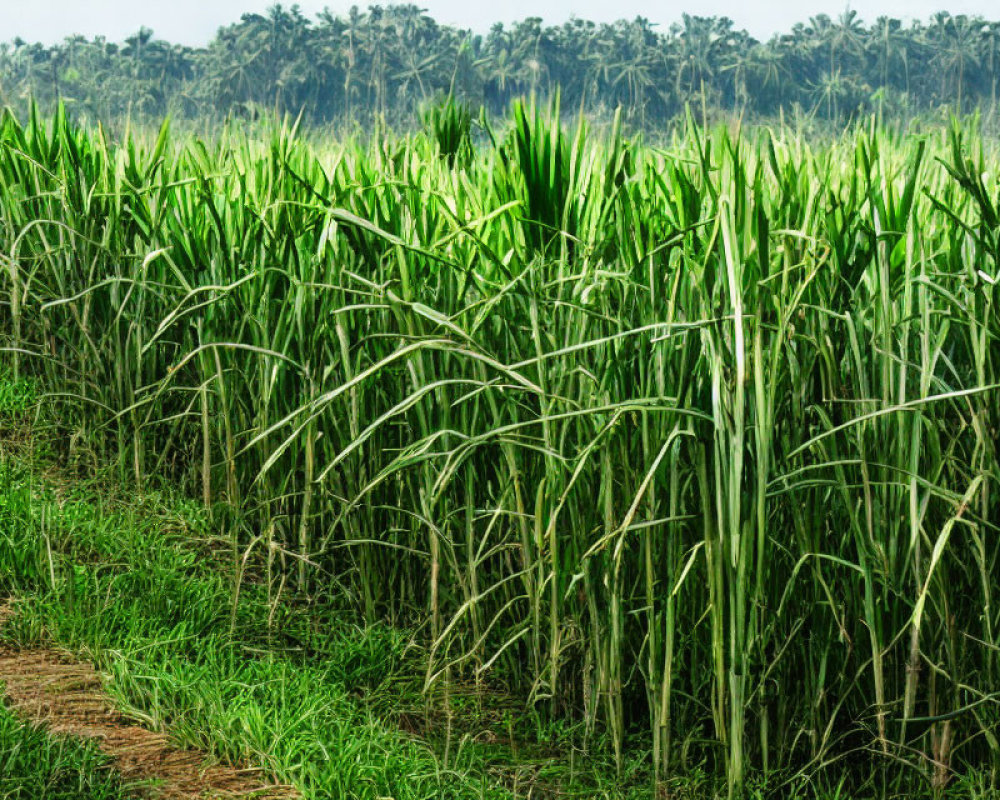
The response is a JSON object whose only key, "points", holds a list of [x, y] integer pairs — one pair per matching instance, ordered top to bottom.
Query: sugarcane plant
{"points": [[692, 444]]}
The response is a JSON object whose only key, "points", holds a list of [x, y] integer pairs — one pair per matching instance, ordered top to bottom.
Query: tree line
{"points": [[390, 60]]}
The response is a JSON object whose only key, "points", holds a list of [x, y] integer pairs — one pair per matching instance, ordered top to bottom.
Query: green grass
{"points": [[16, 396], [141, 588], [134, 592], [35, 765]]}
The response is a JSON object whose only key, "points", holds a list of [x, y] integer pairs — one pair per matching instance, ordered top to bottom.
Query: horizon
{"points": [[195, 24]]}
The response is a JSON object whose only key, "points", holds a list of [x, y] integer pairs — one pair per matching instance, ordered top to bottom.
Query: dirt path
{"points": [[66, 696]]}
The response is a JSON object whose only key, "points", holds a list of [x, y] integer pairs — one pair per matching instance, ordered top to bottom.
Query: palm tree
{"points": [[847, 37], [698, 39], [892, 43], [957, 47], [528, 54], [991, 56], [738, 59], [634, 63], [765, 72]]}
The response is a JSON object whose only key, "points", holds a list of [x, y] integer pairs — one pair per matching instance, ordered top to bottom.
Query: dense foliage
{"points": [[389, 60], [696, 445], [135, 588]]}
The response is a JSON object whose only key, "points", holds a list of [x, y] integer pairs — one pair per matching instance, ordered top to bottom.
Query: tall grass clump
{"points": [[448, 122], [694, 446]]}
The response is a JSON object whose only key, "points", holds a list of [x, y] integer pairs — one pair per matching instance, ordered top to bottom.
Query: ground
{"points": [[121, 637]]}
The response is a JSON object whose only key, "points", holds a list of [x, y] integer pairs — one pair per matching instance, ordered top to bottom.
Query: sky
{"points": [[194, 22]]}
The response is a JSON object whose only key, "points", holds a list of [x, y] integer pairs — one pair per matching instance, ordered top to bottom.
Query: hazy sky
{"points": [[195, 21]]}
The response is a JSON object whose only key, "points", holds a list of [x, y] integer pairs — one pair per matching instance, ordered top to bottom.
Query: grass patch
{"points": [[17, 396], [133, 589], [145, 589], [35, 765]]}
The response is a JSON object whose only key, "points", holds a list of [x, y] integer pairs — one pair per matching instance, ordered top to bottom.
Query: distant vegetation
{"points": [[388, 61]]}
